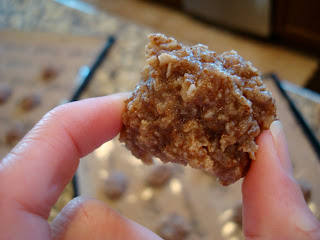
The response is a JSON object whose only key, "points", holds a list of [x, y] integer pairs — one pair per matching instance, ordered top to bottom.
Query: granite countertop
{"points": [[39, 16], [50, 16]]}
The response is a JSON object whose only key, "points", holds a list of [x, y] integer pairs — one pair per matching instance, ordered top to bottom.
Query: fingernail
{"points": [[122, 95], [276, 129], [281, 146], [305, 221]]}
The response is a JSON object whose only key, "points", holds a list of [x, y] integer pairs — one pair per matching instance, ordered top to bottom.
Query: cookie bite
{"points": [[196, 107]]}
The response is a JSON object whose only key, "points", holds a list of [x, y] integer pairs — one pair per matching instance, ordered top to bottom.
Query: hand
{"points": [[34, 173], [273, 204]]}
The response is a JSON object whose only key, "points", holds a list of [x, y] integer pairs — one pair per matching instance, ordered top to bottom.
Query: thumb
{"points": [[273, 204], [87, 218]]}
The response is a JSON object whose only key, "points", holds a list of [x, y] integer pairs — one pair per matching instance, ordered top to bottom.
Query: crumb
{"points": [[193, 106]]}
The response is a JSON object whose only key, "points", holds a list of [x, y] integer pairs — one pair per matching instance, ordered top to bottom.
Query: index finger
{"points": [[36, 171]]}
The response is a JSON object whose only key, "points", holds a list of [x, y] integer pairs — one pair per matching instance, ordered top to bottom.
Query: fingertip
{"points": [[122, 95], [100, 121], [281, 146], [51, 150], [266, 162], [261, 183], [254, 189], [272, 197], [89, 218]]}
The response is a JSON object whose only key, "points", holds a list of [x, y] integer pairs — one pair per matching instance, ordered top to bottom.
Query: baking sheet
{"points": [[23, 58], [192, 194], [197, 196]]}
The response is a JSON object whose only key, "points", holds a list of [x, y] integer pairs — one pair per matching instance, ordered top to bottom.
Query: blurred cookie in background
{"points": [[5, 93], [30, 102], [14, 134], [159, 175], [116, 185], [174, 227]]}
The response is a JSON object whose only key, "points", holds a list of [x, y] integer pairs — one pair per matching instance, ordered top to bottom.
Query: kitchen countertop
{"points": [[39, 16], [50, 16]]}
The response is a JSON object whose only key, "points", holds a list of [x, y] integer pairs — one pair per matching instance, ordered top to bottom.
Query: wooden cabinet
{"points": [[172, 3], [293, 22], [298, 23]]}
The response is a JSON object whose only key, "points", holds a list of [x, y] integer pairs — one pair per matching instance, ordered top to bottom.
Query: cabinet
{"points": [[297, 23]]}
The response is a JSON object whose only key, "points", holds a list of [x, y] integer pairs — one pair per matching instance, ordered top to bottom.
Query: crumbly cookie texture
{"points": [[194, 106]]}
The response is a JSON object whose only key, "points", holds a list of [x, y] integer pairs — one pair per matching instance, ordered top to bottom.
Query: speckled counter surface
{"points": [[50, 16], [122, 70]]}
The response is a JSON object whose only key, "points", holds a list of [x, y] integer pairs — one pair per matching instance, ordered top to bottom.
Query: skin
{"points": [[34, 173]]}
